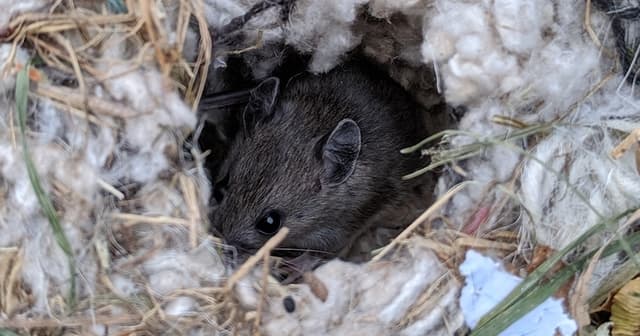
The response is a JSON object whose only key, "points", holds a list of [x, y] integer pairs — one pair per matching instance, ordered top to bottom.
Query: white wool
{"points": [[11, 8], [386, 8], [220, 12], [520, 24], [324, 27], [481, 47], [533, 64], [569, 68], [157, 104], [50, 123], [98, 147], [582, 154], [71, 156], [141, 167], [160, 198], [44, 261], [44, 264], [173, 269], [415, 285], [123, 286], [396, 286], [245, 292], [179, 306], [445, 311]]}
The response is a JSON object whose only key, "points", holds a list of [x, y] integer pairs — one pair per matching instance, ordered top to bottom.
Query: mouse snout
{"points": [[236, 251]]}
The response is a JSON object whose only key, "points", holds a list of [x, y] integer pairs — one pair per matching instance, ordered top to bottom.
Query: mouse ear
{"points": [[265, 93], [261, 102], [340, 153]]}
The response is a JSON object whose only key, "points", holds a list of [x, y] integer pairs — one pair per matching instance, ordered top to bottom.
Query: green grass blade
{"points": [[117, 6], [21, 96], [533, 291], [6, 332]]}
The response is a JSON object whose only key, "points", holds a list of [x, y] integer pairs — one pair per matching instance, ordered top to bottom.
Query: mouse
{"points": [[320, 155]]}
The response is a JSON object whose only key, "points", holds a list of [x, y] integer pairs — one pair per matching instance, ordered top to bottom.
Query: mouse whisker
{"points": [[293, 249]]}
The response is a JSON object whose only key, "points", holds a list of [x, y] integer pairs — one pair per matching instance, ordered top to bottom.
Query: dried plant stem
{"points": [[76, 100], [626, 144], [190, 195], [132, 219], [416, 223], [254, 259], [263, 292], [69, 322]]}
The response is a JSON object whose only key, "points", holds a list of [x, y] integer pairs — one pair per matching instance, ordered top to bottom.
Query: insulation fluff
{"points": [[535, 69], [86, 165], [413, 296]]}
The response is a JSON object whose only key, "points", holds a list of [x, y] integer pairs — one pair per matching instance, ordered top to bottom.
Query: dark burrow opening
{"points": [[231, 92]]}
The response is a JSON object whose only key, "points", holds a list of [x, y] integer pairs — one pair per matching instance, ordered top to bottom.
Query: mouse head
{"points": [[285, 170]]}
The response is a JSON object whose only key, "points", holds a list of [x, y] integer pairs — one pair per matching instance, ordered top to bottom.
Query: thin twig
{"points": [[416, 223], [254, 259], [17, 323]]}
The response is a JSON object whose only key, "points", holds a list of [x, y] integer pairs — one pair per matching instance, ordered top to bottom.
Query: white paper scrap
{"points": [[487, 283]]}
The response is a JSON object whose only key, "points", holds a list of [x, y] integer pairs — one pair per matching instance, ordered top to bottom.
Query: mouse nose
{"points": [[236, 252]]}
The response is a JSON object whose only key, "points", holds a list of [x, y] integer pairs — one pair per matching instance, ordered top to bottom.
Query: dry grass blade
{"points": [[204, 58], [22, 92], [76, 100], [626, 144], [440, 157], [190, 195], [424, 216], [132, 219], [254, 259], [625, 310], [69, 322]]}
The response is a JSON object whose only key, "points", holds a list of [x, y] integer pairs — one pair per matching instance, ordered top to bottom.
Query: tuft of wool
{"points": [[11, 8], [324, 28], [480, 45], [532, 68], [83, 166], [596, 187], [178, 269], [398, 284]]}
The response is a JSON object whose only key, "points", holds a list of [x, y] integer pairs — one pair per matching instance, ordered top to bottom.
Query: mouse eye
{"points": [[269, 223]]}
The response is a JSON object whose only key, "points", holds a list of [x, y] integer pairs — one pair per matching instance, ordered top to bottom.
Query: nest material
{"points": [[113, 99]]}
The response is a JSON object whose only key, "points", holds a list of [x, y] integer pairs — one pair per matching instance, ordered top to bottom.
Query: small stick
{"points": [[587, 25], [76, 100], [626, 144], [111, 189], [191, 199], [425, 215], [134, 219], [480, 243], [253, 260], [263, 294], [69, 322]]}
